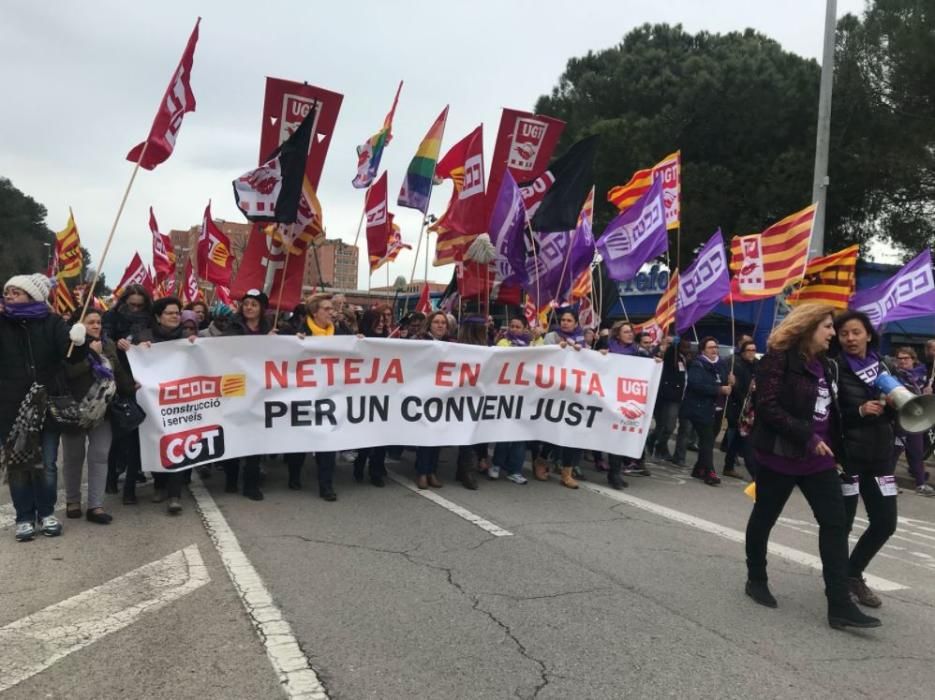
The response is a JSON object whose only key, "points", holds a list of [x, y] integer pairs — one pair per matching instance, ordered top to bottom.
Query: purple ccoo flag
{"points": [[507, 224], [635, 236], [560, 259], [703, 285], [909, 293]]}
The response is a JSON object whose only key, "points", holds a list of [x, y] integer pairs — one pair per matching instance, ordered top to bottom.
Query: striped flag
{"points": [[669, 169], [417, 185], [68, 249], [766, 263], [829, 279], [581, 287], [62, 299], [665, 309]]}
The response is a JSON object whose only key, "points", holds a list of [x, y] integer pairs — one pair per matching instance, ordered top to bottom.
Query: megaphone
{"points": [[915, 414]]}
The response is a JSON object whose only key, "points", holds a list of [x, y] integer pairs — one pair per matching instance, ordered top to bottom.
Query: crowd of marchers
{"points": [[805, 412]]}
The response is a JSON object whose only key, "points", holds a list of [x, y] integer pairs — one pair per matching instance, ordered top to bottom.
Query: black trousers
{"points": [[705, 432], [739, 446], [377, 459], [326, 462], [251, 472], [171, 482], [823, 493], [881, 512]]}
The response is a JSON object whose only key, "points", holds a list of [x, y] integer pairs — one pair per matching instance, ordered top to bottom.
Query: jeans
{"points": [[666, 414], [705, 432], [96, 443], [738, 445], [510, 456], [377, 458], [427, 460], [34, 491], [823, 493], [881, 512]]}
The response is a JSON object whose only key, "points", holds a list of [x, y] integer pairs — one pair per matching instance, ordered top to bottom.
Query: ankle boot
{"points": [[613, 476], [568, 481], [847, 614]]}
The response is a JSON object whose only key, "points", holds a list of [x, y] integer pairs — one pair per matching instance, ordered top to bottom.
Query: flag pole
{"points": [[363, 214], [110, 238], [535, 253], [282, 278], [321, 282], [733, 334]]}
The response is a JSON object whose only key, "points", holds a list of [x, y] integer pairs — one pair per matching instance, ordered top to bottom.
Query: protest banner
{"points": [[230, 397]]}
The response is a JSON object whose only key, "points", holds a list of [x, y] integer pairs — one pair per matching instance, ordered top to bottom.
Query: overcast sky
{"points": [[82, 82]]}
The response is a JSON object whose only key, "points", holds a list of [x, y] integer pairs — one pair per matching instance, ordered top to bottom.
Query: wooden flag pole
{"points": [[363, 215], [110, 237], [282, 278], [733, 335]]}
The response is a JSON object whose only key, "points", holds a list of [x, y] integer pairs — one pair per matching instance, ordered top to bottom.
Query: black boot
{"points": [[359, 462], [467, 465], [231, 472], [295, 476], [613, 476], [251, 481], [759, 591], [847, 614]]}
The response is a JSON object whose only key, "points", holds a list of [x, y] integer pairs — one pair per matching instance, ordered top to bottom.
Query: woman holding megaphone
{"points": [[868, 425]]}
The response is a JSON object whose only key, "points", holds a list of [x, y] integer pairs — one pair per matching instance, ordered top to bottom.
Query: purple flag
{"points": [[507, 222], [635, 236], [560, 259], [703, 285], [907, 294]]}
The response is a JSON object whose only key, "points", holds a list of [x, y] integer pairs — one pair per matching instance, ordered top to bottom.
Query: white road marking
{"points": [[483, 524], [793, 555], [35, 642], [298, 679]]}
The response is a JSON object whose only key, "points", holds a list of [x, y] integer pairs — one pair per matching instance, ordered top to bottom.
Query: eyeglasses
{"points": [[171, 313], [903, 357]]}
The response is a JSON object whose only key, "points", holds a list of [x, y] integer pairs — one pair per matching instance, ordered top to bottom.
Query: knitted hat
{"points": [[37, 286], [190, 317]]}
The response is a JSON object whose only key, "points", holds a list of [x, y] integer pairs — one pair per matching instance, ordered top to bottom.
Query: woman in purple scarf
{"points": [[568, 334], [914, 377], [868, 445]]}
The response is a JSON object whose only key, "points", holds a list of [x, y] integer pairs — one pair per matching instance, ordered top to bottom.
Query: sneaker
{"points": [[640, 470], [493, 472], [517, 478], [711, 479], [925, 490], [174, 507], [50, 526], [25, 532], [861, 592]]}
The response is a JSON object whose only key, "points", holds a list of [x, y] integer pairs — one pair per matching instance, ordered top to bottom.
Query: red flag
{"points": [[178, 100], [286, 104], [524, 146], [464, 164], [378, 221], [263, 252], [163, 253], [215, 260], [136, 273], [475, 279], [191, 292], [223, 294], [424, 305]]}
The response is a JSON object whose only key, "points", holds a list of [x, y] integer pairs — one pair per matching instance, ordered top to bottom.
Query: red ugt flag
{"points": [[178, 100], [378, 221], [163, 253], [215, 258], [136, 273]]}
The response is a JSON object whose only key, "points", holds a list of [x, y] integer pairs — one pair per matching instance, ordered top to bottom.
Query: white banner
{"points": [[220, 398]]}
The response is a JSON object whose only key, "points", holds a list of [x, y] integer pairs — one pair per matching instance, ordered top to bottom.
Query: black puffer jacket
{"points": [[238, 326], [40, 343], [674, 371], [743, 376], [705, 380], [868, 440]]}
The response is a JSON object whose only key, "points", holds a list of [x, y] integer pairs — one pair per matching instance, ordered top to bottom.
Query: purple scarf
{"points": [[28, 311], [576, 336], [517, 341], [618, 348], [98, 368], [867, 369], [913, 379]]}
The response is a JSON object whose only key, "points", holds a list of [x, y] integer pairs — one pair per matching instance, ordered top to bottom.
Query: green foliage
{"points": [[22, 233]]}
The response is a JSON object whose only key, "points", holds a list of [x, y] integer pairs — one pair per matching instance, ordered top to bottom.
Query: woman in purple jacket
{"points": [[796, 435]]}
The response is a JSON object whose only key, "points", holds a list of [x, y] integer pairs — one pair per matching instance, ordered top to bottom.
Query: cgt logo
{"points": [[201, 387], [192, 446]]}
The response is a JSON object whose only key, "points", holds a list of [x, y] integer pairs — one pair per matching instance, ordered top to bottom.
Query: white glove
{"points": [[78, 334]]}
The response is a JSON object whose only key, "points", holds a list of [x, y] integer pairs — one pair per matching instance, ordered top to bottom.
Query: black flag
{"points": [[574, 176]]}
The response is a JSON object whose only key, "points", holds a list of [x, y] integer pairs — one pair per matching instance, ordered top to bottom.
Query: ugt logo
{"points": [[191, 446]]}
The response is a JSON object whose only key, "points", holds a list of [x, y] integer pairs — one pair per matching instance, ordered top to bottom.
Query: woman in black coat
{"points": [[33, 344], [707, 381], [738, 445], [868, 445]]}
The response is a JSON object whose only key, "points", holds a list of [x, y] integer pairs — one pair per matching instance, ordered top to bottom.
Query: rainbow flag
{"points": [[370, 152], [417, 185], [768, 262], [829, 279]]}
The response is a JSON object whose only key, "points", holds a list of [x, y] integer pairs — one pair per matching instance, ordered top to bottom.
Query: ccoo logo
{"points": [[191, 446]]}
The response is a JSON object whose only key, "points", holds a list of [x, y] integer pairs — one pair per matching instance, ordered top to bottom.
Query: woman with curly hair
{"points": [[797, 438]]}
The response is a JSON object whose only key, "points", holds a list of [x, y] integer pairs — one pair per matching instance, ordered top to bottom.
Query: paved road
{"points": [[509, 591]]}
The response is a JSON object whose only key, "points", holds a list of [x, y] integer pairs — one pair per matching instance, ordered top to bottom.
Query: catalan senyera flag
{"points": [[669, 169], [68, 249], [768, 262], [829, 279], [581, 287], [62, 299], [665, 308]]}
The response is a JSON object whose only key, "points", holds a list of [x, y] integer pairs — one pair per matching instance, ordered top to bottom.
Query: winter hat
{"points": [[37, 286], [256, 294], [190, 317]]}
